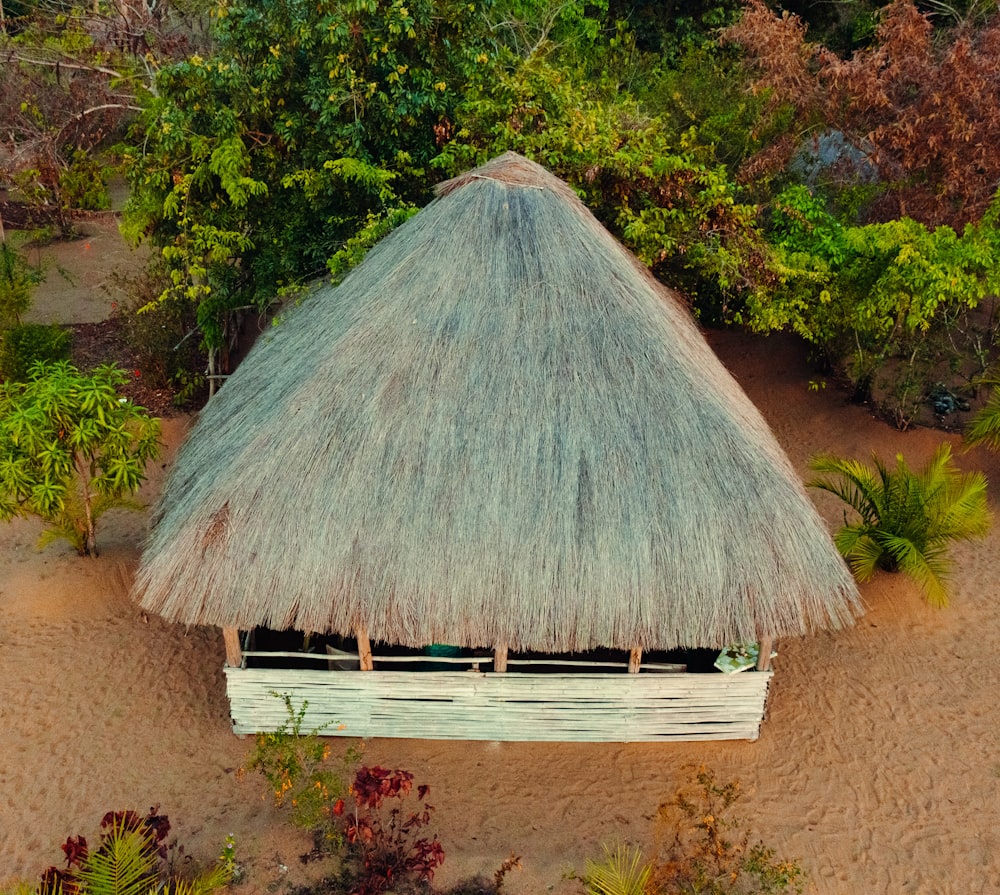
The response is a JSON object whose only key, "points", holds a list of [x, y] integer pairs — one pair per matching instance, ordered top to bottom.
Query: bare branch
{"points": [[61, 63]]}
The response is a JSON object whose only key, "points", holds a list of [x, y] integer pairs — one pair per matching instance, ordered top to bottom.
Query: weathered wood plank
{"points": [[234, 655], [474, 705]]}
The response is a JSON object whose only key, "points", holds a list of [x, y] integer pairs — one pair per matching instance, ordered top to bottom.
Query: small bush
{"points": [[83, 184], [18, 279], [164, 336], [23, 345], [906, 519], [301, 777], [387, 836], [700, 850], [704, 851]]}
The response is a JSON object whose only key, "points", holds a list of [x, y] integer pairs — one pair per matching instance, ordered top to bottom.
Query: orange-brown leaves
{"points": [[927, 115]]}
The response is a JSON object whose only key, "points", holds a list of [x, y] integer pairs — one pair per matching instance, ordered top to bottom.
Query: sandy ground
{"points": [[76, 273], [877, 767]]}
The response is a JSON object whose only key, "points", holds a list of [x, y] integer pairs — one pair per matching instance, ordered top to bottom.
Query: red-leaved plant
{"points": [[389, 838]]}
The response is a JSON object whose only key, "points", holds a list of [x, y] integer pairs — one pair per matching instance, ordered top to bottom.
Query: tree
{"points": [[72, 73], [925, 112], [309, 122], [660, 190], [892, 304], [71, 448], [907, 519]]}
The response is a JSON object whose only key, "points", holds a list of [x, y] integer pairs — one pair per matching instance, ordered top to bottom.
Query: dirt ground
{"points": [[877, 767]]}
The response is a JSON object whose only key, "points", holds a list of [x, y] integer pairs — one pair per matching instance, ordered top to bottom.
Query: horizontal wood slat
{"points": [[468, 705]]}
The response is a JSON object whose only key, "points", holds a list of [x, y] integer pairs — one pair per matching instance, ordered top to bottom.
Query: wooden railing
{"points": [[473, 663]]}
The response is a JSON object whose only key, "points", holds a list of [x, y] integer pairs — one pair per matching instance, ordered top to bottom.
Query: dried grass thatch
{"points": [[499, 428]]}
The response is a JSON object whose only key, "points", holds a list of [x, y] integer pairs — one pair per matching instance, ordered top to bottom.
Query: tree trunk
{"points": [[211, 372], [90, 543]]}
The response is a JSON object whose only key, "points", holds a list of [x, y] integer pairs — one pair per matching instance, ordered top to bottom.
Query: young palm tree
{"points": [[907, 519], [622, 872]]}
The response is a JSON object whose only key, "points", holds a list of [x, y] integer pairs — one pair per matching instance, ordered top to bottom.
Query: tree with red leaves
{"points": [[926, 112]]}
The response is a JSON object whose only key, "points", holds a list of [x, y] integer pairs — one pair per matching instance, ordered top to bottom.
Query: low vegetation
{"points": [[906, 520], [302, 777], [376, 830], [700, 849], [132, 857]]}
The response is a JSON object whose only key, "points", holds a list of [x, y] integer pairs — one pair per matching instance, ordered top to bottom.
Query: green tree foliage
{"points": [[668, 28], [309, 122], [312, 129], [660, 190], [18, 280], [865, 295], [24, 345], [71, 448], [906, 520]]}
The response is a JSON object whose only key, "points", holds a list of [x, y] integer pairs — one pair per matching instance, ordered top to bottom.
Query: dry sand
{"points": [[877, 766]]}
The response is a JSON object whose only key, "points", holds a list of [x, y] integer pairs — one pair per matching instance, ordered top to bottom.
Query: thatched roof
{"points": [[499, 428]]}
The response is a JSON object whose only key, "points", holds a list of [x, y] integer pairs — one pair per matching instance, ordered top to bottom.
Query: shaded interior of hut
{"points": [[266, 648]]}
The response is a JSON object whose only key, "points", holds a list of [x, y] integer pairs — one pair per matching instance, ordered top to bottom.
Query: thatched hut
{"points": [[499, 433]]}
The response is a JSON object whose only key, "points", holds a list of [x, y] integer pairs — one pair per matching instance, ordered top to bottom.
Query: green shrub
{"points": [[82, 185], [18, 279], [163, 336], [23, 345], [71, 448], [301, 775]]}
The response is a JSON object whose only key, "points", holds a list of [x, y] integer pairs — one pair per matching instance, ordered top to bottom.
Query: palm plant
{"points": [[985, 425], [907, 519], [128, 862], [622, 872]]}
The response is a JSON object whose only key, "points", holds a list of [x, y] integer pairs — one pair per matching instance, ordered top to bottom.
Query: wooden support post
{"points": [[364, 649], [234, 655], [764, 656], [500, 657], [635, 660]]}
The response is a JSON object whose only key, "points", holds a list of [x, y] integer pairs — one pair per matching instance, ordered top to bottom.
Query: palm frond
{"points": [[985, 426], [858, 485], [967, 512], [864, 555], [928, 568], [123, 865], [622, 872], [206, 883]]}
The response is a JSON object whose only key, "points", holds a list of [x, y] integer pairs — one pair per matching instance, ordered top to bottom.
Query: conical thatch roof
{"points": [[499, 428]]}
